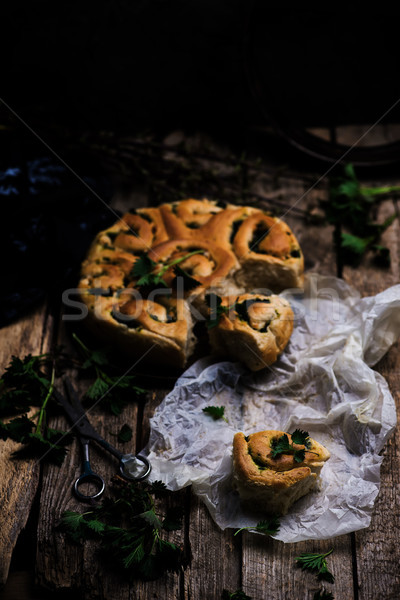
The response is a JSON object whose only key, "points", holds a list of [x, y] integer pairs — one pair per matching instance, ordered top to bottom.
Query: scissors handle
{"points": [[88, 476]]}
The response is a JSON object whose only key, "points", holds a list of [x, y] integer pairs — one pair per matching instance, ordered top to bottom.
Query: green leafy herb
{"points": [[350, 205], [143, 269], [214, 302], [23, 385], [112, 392], [216, 412], [125, 434], [301, 437], [48, 446], [283, 446], [268, 526], [129, 532], [317, 564], [238, 595], [323, 595]]}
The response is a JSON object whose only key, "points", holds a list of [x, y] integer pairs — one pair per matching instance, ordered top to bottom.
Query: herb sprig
{"points": [[350, 205], [143, 271], [23, 385], [112, 392], [216, 412], [283, 446], [268, 526], [129, 532], [317, 564]]}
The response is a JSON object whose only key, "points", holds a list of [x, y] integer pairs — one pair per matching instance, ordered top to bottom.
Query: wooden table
{"points": [[365, 563]]}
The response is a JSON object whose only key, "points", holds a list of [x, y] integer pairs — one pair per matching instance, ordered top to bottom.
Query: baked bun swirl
{"points": [[184, 219], [213, 246], [269, 254], [210, 264], [254, 329], [269, 484]]}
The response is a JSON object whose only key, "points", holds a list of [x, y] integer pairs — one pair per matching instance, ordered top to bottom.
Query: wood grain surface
{"points": [[365, 563]]}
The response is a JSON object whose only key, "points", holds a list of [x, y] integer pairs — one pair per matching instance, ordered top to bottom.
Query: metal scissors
{"points": [[86, 432]]}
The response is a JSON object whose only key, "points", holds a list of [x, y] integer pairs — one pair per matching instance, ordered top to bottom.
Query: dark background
{"points": [[129, 65], [249, 74]]}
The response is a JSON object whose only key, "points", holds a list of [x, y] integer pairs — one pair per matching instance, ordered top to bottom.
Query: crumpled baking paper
{"points": [[323, 383]]}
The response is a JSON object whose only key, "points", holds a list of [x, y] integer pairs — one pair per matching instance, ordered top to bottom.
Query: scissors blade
{"points": [[76, 414]]}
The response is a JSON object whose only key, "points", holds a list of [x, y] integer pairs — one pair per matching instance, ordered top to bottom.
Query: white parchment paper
{"points": [[323, 383]]}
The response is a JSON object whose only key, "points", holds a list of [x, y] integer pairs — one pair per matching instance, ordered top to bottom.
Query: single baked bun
{"points": [[269, 254], [170, 257], [253, 328], [272, 485]]}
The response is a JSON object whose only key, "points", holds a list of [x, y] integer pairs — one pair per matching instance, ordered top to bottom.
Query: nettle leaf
{"points": [[356, 244], [142, 267], [96, 358], [97, 390], [14, 401], [17, 429], [125, 434], [38, 446], [150, 517], [268, 526], [316, 563]]}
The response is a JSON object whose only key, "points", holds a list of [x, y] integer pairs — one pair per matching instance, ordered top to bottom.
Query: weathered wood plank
{"points": [[19, 479], [377, 548], [61, 564], [268, 567], [271, 570], [169, 585]]}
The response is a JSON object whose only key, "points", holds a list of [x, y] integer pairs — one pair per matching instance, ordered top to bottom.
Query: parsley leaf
{"points": [[216, 412], [301, 437], [283, 446], [268, 526], [317, 564]]}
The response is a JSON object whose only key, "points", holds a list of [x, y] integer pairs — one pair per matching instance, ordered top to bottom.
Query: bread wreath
{"points": [[219, 240]]}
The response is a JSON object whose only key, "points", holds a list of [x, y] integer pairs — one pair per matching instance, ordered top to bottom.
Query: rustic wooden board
{"points": [[19, 479], [377, 547], [365, 563], [61, 564], [268, 566]]}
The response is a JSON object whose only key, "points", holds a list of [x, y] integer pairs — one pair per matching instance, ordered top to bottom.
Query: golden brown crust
{"points": [[221, 235], [269, 253], [210, 264], [255, 331], [273, 484]]}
